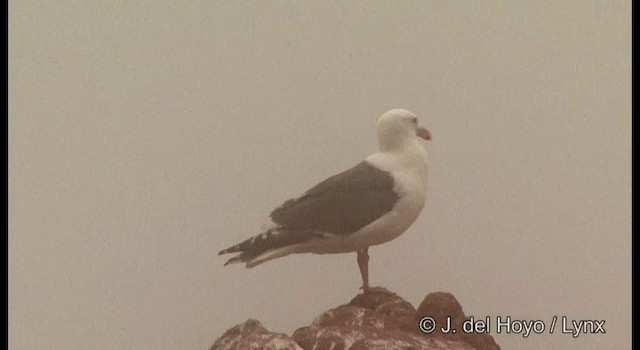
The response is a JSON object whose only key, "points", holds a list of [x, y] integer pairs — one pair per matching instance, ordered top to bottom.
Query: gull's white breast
{"points": [[409, 171]]}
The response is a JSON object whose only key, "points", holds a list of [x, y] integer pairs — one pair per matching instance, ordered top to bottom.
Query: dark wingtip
{"points": [[233, 249], [234, 259]]}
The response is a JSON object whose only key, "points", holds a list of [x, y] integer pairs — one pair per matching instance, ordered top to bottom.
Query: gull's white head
{"points": [[397, 127]]}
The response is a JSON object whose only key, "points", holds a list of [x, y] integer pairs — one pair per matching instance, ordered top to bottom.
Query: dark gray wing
{"points": [[341, 204]]}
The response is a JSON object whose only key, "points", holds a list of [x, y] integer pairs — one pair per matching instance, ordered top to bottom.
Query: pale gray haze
{"points": [[145, 136]]}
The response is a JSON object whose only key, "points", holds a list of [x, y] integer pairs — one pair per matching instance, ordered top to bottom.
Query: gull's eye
{"points": [[414, 120]]}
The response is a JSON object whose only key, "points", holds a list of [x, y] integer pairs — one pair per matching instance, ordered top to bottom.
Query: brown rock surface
{"points": [[441, 305], [376, 320], [251, 335]]}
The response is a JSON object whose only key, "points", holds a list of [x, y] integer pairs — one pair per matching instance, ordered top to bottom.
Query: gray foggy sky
{"points": [[144, 137]]}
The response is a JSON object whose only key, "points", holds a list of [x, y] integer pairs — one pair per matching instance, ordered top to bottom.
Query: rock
{"points": [[441, 305], [396, 312], [376, 320], [251, 335]]}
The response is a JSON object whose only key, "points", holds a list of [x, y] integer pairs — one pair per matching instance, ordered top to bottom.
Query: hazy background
{"points": [[145, 136]]}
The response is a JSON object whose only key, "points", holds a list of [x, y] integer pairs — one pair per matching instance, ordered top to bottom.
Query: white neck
{"points": [[390, 143], [410, 154]]}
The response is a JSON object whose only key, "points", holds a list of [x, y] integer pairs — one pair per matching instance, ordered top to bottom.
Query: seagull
{"points": [[372, 203]]}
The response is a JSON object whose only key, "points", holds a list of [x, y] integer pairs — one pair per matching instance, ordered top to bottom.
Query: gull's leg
{"points": [[363, 264]]}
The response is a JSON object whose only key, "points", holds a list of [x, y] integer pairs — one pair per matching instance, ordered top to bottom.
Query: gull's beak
{"points": [[423, 133]]}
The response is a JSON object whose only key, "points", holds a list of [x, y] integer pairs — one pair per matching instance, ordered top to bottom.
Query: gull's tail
{"points": [[269, 245]]}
